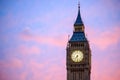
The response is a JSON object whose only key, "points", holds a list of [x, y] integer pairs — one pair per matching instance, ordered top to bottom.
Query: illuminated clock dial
{"points": [[77, 56]]}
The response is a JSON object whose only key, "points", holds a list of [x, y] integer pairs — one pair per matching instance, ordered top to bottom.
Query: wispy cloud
{"points": [[105, 38], [59, 40]]}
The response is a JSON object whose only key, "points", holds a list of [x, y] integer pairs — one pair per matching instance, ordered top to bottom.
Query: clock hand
{"points": [[76, 56]]}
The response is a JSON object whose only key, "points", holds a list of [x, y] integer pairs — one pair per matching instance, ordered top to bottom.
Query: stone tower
{"points": [[78, 53]]}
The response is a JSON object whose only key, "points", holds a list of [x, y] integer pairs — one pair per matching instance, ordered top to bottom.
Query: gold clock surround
{"points": [[77, 56]]}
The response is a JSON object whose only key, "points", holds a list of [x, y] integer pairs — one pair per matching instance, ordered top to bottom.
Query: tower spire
{"points": [[78, 4], [78, 21]]}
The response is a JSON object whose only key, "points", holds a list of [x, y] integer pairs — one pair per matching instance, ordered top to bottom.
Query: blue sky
{"points": [[34, 35]]}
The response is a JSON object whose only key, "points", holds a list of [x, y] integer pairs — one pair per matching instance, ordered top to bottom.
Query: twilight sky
{"points": [[34, 34]]}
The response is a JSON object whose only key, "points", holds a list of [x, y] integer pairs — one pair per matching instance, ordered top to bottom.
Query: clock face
{"points": [[77, 56]]}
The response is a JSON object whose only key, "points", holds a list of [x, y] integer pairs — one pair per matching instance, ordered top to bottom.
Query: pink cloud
{"points": [[105, 38], [59, 40], [53, 41], [23, 50], [28, 50], [13, 63], [106, 67], [7, 69], [36, 70], [104, 70], [46, 71], [56, 72], [23, 75], [4, 76], [13, 76]]}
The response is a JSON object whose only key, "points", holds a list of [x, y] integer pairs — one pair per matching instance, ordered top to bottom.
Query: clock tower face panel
{"points": [[78, 58]]}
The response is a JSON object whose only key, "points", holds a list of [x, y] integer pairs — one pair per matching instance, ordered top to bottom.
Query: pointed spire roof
{"points": [[78, 21]]}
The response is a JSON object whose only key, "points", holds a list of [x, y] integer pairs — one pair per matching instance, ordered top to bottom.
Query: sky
{"points": [[34, 35]]}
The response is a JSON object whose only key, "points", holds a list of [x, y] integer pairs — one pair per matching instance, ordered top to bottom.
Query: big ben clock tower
{"points": [[78, 58]]}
